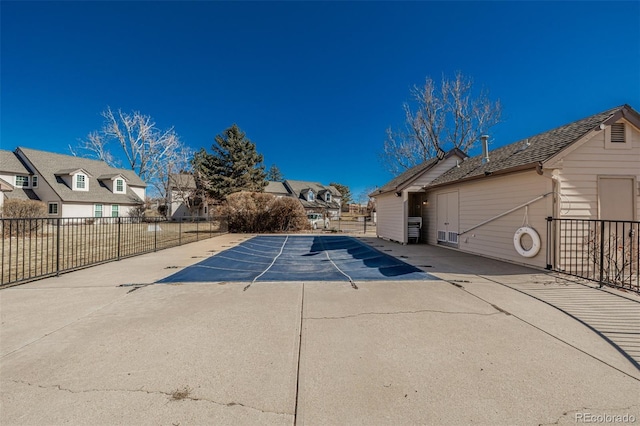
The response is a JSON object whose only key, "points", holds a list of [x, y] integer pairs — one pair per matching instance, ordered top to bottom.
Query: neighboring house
{"points": [[588, 169], [16, 181], [69, 186], [314, 197], [183, 199]]}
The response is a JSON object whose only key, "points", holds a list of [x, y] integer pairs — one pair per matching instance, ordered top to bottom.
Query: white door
{"points": [[447, 217]]}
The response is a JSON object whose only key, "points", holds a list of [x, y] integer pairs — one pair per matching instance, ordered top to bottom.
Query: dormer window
{"points": [[34, 181], [81, 181], [119, 186], [311, 196], [327, 197]]}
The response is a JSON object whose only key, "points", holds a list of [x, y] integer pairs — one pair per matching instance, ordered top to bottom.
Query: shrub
{"points": [[22, 209], [260, 212], [287, 214]]}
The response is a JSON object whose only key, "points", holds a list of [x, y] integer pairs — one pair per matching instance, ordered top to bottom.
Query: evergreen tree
{"points": [[234, 165], [274, 174]]}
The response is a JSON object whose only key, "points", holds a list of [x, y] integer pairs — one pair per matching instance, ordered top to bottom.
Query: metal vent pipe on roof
{"points": [[485, 148]]}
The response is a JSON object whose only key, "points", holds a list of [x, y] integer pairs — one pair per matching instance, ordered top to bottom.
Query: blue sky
{"points": [[313, 84]]}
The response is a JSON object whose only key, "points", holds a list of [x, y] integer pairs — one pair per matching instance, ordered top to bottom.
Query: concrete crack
{"points": [[406, 313], [170, 395]]}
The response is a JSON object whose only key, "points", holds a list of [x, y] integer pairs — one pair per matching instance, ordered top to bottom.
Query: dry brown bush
{"points": [[22, 209], [260, 212]]}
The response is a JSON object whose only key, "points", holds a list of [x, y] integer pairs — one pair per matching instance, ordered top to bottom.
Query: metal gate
{"points": [[604, 251]]}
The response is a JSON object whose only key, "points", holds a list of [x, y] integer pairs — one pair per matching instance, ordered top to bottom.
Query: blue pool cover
{"points": [[299, 258]]}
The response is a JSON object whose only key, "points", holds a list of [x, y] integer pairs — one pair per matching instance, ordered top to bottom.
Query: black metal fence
{"points": [[356, 225], [36, 248], [598, 250]]}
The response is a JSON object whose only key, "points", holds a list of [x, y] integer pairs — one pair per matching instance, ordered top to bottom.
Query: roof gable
{"points": [[69, 172], [415, 172]]}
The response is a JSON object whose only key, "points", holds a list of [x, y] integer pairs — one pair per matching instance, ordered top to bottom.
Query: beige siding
{"points": [[579, 171], [486, 198], [391, 217]]}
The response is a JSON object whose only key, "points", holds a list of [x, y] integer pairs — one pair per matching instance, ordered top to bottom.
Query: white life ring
{"points": [[517, 243]]}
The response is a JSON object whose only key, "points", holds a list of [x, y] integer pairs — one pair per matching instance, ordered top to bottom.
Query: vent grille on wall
{"points": [[617, 133]]}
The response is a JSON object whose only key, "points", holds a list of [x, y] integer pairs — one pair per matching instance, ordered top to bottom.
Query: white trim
{"points": [[76, 182], [115, 186]]}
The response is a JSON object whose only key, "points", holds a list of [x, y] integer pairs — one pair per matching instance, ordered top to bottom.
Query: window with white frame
{"points": [[22, 181], [34, 181], [81, 181], [119, 185], [310, 196], [327, 197], [53, 208], [97, 210], [114, 210]]}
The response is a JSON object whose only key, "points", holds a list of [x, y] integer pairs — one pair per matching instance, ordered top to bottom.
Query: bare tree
{"points": [[439, 119], [152, 153]]}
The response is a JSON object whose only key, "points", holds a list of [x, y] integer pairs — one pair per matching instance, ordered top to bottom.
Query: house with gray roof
{"points": [[587, 169], [69, 186], [314, 197]]}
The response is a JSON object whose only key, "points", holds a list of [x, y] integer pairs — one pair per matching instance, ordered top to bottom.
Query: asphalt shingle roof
{"points": [[531, 150], [10, 163], [47, 164], [406, 176], [182, 181], [299, 186], [276, 188], [22, 194]]}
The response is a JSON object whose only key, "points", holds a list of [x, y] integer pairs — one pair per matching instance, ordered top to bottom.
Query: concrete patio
{"points": [[490, 343]]}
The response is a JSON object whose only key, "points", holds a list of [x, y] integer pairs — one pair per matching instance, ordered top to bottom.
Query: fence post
{"points": [[197, 223], [119, 230], [180, 232], [155, 234], [550, 242], [57, 247], [601, 252]]}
